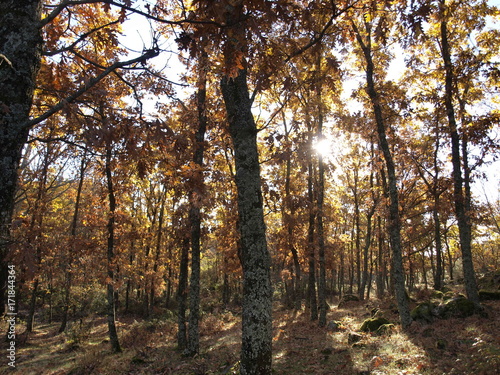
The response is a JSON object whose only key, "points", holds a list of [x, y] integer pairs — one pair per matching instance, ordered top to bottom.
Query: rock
{"points": [[437, 294], [448, 295], [486, 295], [348, 298], [459, 307], [423, 312], [372, 324], [333, 326], [385, 329], [353, 338]]}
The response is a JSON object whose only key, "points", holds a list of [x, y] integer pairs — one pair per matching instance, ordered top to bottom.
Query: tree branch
{"points": [[87, 86]]}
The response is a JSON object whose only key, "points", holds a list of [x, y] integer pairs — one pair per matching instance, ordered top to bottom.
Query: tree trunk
{"points": [[20, 46], [463, 216], [394, 219], [288, 221], [36, 235], [70, 254], [311, 289], [182, 294], [113, 334], [193, 344], [256, 353]]}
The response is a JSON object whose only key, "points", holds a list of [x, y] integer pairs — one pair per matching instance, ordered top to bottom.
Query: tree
{"points": [[364, 40], [20, 50], [256, 352]]}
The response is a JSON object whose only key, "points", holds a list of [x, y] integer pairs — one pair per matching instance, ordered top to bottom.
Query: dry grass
{"points": [[453, 346]]}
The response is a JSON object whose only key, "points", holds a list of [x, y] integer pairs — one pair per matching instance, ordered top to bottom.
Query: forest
{"points": [[250, 187]]}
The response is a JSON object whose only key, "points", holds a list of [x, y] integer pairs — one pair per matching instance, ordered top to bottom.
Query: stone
{"points": [[459, 307], [423, 312], [372, 324], [333, 326], [385, 329], [353, 338]]}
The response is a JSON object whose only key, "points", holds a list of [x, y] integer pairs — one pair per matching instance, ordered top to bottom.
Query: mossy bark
{"points": [[20, 46], [256, 354]]}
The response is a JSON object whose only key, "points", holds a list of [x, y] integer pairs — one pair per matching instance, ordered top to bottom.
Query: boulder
{"points": [[437, 294], [348, 298], [459, 307], [423, 312], [372, 324], [333, 326], [385, 329], [353, 338]]}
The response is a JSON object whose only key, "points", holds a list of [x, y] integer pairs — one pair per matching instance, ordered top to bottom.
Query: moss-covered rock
{"points": [[437, 294], [448, 295], [485, 295], [456, 307], [423, 312], [372, 324], [386, 329], [353, 338]]}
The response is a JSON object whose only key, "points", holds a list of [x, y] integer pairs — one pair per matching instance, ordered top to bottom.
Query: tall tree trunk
{"points": [[20, 46], [320, 201], [463, 216], [394, 219], [288, 222], [36, 233], [159, 236], [311, 244], [70, 254], [182, 294], [113, 334], [193, 344], [256, 353]]}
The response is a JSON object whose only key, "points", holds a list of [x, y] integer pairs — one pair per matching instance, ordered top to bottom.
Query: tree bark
{"points": [[20, 46], [320, 201], [463, 216], [394, 218], [72, 233], [311, 289], [182, 294], [113, 334], [193, 344], [256, 353]]}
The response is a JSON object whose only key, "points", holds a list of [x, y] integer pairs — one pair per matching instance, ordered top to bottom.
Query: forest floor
{"points": [[453, 346]]}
